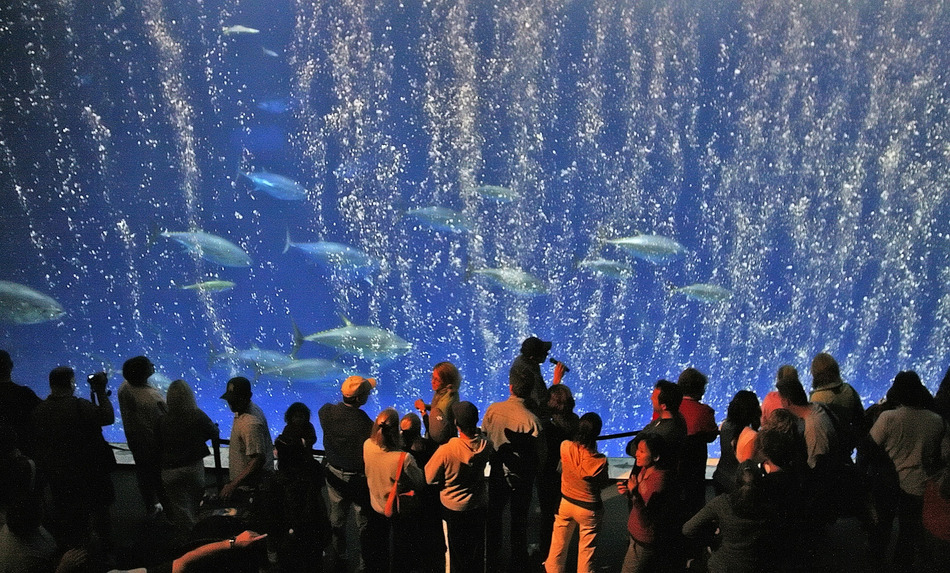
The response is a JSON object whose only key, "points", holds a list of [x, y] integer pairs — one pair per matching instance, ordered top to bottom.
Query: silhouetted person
{"points": [[527, 367], [828, 388], [16, 406], [142, 407], [437, 416], [668, 423], [558, 425], [345, 428], [701, 429], [515, 433], [738, 434], [183, 435], [915, 439], [250, 456], [76, 459], [458, 466], [305, 527]]}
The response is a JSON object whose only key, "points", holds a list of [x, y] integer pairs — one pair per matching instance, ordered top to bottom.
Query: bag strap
{"points": [[394, 492]]}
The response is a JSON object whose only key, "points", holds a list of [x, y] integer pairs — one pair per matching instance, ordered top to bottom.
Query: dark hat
{"points": [[535, 346], [238, 387], [466, 415]]}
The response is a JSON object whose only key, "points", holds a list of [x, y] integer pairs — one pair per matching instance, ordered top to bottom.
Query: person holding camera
{"points": [[527, 367], [75, 458]]}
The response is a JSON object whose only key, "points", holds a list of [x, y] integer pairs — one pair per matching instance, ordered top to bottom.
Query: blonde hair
{"points": [[180, 397]]}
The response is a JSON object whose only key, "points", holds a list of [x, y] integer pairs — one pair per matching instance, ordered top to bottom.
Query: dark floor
{"points": [[141, 542]]}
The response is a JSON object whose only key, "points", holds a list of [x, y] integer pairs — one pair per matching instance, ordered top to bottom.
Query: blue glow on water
{"points": [[797, 151]]}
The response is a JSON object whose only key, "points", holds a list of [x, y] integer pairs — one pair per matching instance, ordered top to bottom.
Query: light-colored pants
{"points": [[184, 488], [569, 517]]}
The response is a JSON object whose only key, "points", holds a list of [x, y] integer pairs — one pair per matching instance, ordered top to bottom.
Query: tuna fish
{"points": [[238, 29], [277, 186], [498, 193], [441, 219], [211, 248], [653, 248], [342, 260], [606, 268], [514, 280], [210, 286], [704, 292], [20, 304], [367, 342], [257, 359], [307, 370]]}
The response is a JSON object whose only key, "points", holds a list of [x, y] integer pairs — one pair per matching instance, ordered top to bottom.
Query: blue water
{"points": [[797, 151]]}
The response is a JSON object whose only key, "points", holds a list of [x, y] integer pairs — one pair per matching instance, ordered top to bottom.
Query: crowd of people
{"points": [[450, 489]]}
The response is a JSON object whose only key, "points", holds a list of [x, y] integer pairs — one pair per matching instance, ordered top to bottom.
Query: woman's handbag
{"points": [[400, 503]]}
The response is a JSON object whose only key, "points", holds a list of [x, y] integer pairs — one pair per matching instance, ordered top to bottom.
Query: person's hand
{"points": [[559, 370], [420, 405], [622, 488], [228, 490], [247, 537], [72, 560]]}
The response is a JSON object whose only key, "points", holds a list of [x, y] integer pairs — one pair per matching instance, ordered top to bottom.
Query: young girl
{"points": [[654, 510]]}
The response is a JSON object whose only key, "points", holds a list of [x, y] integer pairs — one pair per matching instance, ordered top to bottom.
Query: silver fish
{"points": [[238, 29], [277, 186], [498, 193], [442, 219], [211, 248], [653, 248], [343, 260], [607, 268], [514, 280], [210, 286], [704, 292], [20, 304], [367, 342], [258, 359], [307, 369]]}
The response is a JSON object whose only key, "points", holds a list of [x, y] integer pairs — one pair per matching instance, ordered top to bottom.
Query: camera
{"points": [[555, 361], [98, 380]]}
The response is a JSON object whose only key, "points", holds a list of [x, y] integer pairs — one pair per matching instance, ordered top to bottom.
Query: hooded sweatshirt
{"points": [[459, 465]]}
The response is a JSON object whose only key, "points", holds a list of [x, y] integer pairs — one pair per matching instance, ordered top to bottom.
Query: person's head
{"points": [[535, 349], [6, 365], [137, 370], [824, 371], [787, 373], [446, 376], [62, 379], [693, 383], [521, 386], [356, 390], [908, 390], [792, 392], [238, 394], [666, 396], [180, 397], [560, 399], [744, 410], [297, 414], [466, 418], [781, 420], [588, 428], [410, 430], [385, 433], [777, 446], [651, 450], [747, 498]]}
